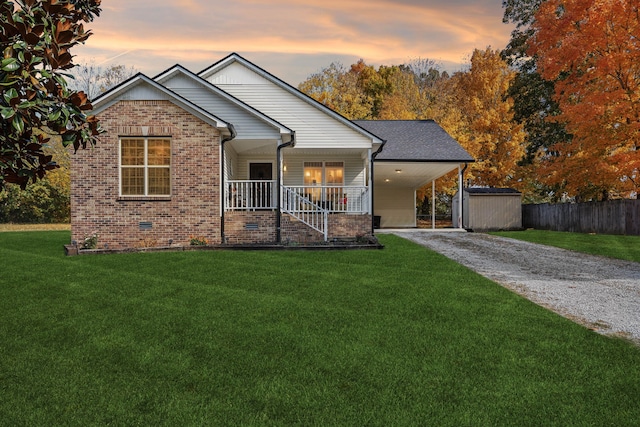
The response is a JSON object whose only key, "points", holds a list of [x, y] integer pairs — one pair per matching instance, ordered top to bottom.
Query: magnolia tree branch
{"points": [[35, 41]]}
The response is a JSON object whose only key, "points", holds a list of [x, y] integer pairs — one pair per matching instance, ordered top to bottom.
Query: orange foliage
{"points": [[592, 50]]}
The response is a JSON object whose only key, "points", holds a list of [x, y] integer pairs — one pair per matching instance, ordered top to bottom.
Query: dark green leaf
{"points": [[9, 65], [10, 94], [7, 113], [18, 124]]}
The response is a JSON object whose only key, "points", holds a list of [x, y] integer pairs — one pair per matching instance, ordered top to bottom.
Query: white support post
{"points": [[369, 184], [433, 204], [460, 225]]}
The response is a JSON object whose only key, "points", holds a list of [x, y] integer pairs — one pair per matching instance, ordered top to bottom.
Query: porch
{"points": [[251, 195], [313, 206]]}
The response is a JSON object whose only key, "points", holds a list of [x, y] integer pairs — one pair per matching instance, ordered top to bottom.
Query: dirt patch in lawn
{"points": [[34, 227]]}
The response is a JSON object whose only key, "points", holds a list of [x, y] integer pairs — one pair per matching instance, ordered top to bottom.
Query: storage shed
{"points": [[488, 208]]}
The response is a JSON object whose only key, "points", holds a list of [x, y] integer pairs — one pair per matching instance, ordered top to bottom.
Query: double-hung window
{"points": [[145, 167]]}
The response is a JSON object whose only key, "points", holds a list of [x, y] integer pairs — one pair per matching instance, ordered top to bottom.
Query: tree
{"points": [[35, 40], [591, 50], [94, 79], [338, 88], [533, 101], [484, 123], [44, 201]]}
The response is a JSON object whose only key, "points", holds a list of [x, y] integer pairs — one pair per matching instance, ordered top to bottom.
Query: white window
{"points": [[145, 167], [324, 173], [328, 177]]}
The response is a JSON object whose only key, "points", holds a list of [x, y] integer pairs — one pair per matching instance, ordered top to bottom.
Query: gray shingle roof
{"points": [[415, 141]]}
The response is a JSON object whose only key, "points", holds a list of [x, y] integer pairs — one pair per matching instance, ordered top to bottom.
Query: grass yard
{"points": [[613, 246], [400, 336]]}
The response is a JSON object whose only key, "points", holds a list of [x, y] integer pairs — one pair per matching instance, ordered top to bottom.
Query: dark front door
{"points": [[261, 192]]}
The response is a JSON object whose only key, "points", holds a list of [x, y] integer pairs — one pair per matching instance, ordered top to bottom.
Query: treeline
{"points": [[556, 114], [44, 201]]}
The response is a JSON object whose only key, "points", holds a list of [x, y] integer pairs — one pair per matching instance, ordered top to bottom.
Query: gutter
{"points": [[232, 135], [291, 143], [371, 184]]}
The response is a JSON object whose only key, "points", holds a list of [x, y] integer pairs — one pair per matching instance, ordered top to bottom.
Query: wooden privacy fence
{"points": [[610, 217]]}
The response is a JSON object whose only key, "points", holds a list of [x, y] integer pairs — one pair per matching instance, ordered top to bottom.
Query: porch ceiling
{"points": [[254, 146], [319, 152], [410, 174]]}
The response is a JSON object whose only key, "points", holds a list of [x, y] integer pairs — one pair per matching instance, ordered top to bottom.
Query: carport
{"points": [[416, 153]]}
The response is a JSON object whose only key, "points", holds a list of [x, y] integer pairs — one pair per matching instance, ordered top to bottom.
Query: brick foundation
{"points": [[253, 227]]}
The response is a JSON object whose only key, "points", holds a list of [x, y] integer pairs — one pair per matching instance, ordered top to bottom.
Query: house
{"points": [[235, 155]]}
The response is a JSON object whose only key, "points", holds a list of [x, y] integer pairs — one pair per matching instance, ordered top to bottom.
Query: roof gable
{"points": [[234, 70], [141, 87], [212, 98]]}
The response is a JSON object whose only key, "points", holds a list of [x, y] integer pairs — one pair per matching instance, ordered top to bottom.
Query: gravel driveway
{"points": [[600, 293]]}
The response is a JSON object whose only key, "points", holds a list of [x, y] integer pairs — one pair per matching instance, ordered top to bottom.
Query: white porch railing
{"points": [[250, 195], [336, 199], [305, 210]]}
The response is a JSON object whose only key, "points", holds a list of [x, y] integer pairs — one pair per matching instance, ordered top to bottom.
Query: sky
{"points": [[291, 39]]}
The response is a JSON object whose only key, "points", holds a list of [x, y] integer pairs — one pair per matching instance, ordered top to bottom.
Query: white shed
{"points": [[488, 208]]}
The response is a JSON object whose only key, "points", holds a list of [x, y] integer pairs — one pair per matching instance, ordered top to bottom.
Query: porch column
{"points": [[370, 184], [433, 204], [459, 219]]}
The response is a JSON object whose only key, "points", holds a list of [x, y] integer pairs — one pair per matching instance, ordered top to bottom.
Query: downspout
{"points": [[232, 135], [291, 143], [371, 180]]}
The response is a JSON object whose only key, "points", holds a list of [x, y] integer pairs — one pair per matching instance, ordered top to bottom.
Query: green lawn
{"points": [[621, 247], [400, 336]]}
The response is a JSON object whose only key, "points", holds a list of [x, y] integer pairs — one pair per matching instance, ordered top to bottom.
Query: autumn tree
{"points": [[36, 39], [591, 50], [339, 89], [533, 101], [481, 119]]}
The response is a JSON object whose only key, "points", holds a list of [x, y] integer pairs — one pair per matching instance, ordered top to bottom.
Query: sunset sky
{"points": [[291, 39]]}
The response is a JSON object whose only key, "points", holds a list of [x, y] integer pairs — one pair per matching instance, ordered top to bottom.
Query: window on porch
{"points": [[323, 182]]}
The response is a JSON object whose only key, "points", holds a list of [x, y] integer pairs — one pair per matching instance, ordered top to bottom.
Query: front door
{"points": [[261, 193]]}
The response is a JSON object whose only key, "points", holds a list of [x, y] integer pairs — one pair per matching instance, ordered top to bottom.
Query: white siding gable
{"points": [[236, 74], [247, 124], [314, 127]]}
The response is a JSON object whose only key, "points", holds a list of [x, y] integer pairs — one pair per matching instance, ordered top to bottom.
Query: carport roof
{"points": [[415, 141]]}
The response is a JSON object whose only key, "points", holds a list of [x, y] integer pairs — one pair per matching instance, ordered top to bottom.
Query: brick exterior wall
{"points": [[192, 209], [341, 226], [347, 226], [260, 227], [243, 228]]}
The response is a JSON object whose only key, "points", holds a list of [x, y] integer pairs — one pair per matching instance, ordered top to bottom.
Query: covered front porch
{"points": [[317, 193]]}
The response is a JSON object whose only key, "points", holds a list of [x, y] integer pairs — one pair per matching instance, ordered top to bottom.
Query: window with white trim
{"points": [[145, 167], [324, 173], [328, 177]]}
